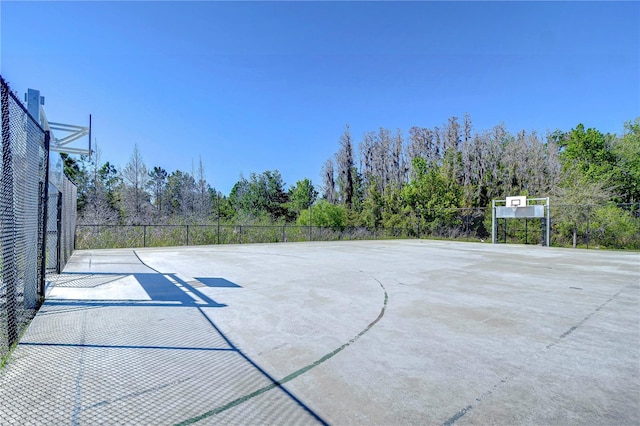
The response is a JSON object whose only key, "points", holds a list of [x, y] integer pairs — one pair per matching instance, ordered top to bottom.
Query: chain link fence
{"points": [[23, 179], [37, 218], [61, 223], [596, 226], [602, 226]]}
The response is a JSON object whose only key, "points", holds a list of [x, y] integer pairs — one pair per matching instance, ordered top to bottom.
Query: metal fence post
{"points": [[218, 201], [45, 215], [468, 215], [310, 223], [588, 223], [494, 225], [59, 233], [187, 234], [144, 235], [548, 236], [42, 240]]}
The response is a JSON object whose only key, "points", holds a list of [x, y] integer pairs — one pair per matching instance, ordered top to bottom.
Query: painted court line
{"points": [[198, 293], [191, 294], [289, 377], [274, 383], [238, 401]]}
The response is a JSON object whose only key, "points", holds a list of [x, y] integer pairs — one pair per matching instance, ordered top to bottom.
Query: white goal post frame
{"points": [[531, 209]]}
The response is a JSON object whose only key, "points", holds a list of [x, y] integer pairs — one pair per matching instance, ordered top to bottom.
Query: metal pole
{"points": [[89, 135], [218, 200], [45, 213], [468, 214], [493, 221], [310, 222], [548, 222], [588, 222], [59, 233], [187, 234], [144, 235]]}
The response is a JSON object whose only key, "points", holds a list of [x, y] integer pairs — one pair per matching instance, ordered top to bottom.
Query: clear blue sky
{"points": [[255, 86]]}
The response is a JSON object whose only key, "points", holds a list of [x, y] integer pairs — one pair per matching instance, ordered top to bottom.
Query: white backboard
{"points": [[519, 201]]}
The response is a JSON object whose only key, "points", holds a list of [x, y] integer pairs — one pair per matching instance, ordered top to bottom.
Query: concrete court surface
{"points": [[360, 332]]}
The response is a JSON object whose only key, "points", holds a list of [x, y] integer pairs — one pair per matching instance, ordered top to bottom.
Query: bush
{"points": [[324, 214], [614, 227]]}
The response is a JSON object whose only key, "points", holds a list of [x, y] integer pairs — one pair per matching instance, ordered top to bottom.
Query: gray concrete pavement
{"points": [[363, 332]]}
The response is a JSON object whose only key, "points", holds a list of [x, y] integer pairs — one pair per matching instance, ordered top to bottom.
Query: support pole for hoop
{"points": [[493, 221], [548, 221]]}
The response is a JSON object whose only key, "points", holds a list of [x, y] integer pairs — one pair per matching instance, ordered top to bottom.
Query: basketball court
{"points": [[359, 332]]}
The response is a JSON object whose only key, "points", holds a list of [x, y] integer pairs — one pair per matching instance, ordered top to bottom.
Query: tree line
{"points": [[385, 179]]}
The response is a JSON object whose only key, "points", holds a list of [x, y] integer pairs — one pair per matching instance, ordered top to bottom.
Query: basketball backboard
{"points": [[518, 201]]}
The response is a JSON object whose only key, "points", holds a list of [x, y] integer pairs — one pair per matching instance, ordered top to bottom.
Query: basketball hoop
{"points": [[518, 201], [521, 207]]}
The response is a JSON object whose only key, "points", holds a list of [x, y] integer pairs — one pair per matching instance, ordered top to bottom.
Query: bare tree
{"points": [[467, 127], [452, 135], [422, 144], [437, 145], [417, 146], [367, 153], [344, 160], [513, 161], [381, 166], [398, 166], [481, 169], [328, 181], [156, 184], [187, 196], [202, 198], [135, 199], [97, 208]]}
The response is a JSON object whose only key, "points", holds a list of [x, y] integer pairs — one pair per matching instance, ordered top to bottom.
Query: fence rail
{"points": [[606, 226]]}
